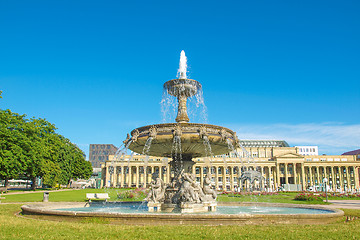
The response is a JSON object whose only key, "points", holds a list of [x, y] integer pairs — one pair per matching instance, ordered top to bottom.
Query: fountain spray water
{"points": [[182, 66]]}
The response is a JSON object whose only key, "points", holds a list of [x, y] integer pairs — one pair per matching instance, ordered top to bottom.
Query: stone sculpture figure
{"points": [[177, 131], [153, 132], [202, 132], [222, 133], [135, 134], [126, 141], [190, 190], [157, 191], [208, 191], [186, 192], [199, 193]]}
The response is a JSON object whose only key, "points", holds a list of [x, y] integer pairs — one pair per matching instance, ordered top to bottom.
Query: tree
{"points": [[13, 142], [32, 148], [71, 160], [51, 173]]}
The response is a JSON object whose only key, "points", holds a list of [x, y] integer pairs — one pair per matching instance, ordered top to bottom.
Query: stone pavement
{"points": [[30, 191], [351, 204]]}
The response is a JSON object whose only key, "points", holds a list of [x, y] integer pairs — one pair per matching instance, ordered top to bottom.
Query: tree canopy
{"points": [[31, 148]]}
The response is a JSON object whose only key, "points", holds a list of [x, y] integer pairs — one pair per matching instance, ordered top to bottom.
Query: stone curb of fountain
{"points": [[189, 219]]}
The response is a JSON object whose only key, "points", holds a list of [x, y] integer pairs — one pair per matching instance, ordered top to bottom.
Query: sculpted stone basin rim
{"points": [[192, 139]]}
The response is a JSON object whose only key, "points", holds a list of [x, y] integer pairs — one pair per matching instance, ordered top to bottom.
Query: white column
{"points": [[137, 176]]}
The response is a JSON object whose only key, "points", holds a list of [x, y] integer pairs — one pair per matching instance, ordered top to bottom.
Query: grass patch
{"points": [[139, 195], [63, 196], [351, 212], [97, 220], [13, 227]]}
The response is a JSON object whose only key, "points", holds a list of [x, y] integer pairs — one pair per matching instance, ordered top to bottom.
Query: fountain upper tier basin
{"points": [[182, 87], [193, 136]]}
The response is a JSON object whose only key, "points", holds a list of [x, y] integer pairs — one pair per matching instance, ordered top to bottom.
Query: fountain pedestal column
{"points": [[182, 116], [184, 165]]}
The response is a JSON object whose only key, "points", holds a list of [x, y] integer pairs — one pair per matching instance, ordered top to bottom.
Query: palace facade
{"points": [[281, 166]]}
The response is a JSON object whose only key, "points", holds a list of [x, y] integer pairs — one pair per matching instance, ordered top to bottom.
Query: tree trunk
{"points": [[6, 182], [33, 183], [69, 184]]}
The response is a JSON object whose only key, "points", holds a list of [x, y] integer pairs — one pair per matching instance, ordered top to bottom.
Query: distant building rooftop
{"points": [[264, 143], [308, 150], [354, 152]]}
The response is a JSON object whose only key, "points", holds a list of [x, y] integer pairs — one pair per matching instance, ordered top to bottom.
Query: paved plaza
{"points": [[349, 204]]}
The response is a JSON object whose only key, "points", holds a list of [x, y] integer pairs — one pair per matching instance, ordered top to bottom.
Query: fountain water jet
{"points": [[182, 66]]}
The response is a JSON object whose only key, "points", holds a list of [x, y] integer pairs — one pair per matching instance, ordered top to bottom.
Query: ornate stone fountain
{"points": [[182, 141]]}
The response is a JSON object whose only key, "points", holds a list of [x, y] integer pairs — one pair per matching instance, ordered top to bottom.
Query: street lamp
{"points": [[325, 181]]}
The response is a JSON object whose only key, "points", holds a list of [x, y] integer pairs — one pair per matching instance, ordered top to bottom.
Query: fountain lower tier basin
{"points": [[192, 138], [136, 213]]}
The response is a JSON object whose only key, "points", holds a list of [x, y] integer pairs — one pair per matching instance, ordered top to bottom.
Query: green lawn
{"points": [[62, 196], [79, 196], [13, 227]]}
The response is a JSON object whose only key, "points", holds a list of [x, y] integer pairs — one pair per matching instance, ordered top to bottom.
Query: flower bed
{"points": [[249, 193], [135, 194], [342, 195], [308, 197]]}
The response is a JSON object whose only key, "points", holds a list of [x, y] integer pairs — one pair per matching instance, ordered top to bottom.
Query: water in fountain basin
{"points": [[127, 207]]}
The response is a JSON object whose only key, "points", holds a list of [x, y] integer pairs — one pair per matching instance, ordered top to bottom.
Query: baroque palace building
{"points": [[282, 168]]}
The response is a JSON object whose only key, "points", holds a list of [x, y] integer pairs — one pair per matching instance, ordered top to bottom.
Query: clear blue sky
{"points": [[270, 69]]}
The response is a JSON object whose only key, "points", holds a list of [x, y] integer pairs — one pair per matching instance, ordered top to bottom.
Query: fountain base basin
{"points": [[63, 212]]}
